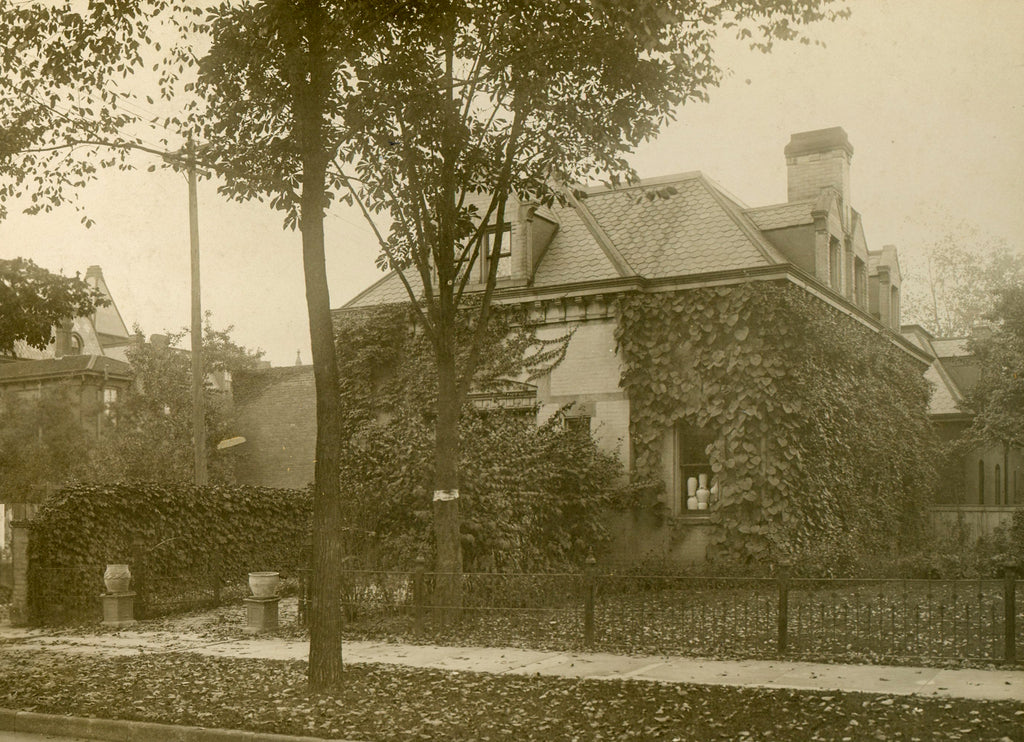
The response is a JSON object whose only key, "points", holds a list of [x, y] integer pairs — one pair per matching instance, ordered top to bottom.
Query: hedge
{"points": [[179, 530]]}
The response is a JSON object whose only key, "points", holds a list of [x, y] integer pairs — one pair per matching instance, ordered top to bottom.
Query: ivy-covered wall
{"points": [[821, 439], [533, 497]]}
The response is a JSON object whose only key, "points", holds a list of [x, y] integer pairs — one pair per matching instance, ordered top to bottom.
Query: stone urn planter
{"points": [[117, 578], [264, 584]]}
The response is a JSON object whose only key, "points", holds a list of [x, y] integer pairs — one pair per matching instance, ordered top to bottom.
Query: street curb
{"points": [[120, 730]]}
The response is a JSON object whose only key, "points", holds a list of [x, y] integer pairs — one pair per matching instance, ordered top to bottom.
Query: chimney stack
{"points": [[816, 160]]}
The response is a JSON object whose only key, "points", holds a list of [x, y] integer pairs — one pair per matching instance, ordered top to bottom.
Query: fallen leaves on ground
{"points": [[379, 702]]}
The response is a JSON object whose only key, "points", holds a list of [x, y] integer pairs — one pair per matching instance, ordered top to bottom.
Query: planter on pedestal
{"points": [[117, 578], [264, 584], [261, 608]]}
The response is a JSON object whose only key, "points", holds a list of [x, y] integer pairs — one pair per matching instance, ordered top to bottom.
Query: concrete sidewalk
{"points": [[896, 680]]}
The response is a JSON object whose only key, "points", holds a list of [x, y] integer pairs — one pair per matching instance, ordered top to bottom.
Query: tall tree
{"points": [[428, 114], [951, 284], [33, 300], [997, 399]]}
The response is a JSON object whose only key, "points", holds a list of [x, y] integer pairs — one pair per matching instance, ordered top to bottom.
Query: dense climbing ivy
{"points": [[820, 423], [533, 497], [177, 530]]}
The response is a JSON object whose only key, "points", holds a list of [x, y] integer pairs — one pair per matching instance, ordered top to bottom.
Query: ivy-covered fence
{"points": [[821, 439], [179, 536]]}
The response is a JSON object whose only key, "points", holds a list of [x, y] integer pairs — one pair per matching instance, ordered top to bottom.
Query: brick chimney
{"points": [[816, 160]]}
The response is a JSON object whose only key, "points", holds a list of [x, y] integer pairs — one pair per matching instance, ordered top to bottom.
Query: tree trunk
{"points": [[448, 593], [325, 614]]}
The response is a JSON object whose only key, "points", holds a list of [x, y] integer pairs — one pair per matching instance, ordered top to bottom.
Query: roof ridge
{"points": [[602, 189], [784, 204], [740, 219], [622, 266]]}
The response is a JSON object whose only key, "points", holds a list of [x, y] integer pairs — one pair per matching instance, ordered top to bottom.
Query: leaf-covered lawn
{"points": [[394, 703]]}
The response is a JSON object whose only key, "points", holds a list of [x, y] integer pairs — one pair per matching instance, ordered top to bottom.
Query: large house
{"points": [[570, 264]]}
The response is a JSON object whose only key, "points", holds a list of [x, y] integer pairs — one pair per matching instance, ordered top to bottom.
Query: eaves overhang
{"points": [[779, 272], [51, 369]]}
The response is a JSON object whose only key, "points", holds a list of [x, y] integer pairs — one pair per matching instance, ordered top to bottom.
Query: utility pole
{"points": [[198, 407]]}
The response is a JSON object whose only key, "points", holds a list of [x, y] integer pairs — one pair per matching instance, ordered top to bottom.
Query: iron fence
{"points": [[854, 619], [944, 619]]}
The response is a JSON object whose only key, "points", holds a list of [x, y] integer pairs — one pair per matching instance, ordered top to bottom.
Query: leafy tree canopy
{"points": [[951, 285], [33, 300], [997, 400], [152, 438]]}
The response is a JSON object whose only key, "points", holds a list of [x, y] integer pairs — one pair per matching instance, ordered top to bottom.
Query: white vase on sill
{"points": [[703, 494], [691, 503]]}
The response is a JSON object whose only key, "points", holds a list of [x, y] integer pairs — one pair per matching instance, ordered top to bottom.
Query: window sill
{"points": [[694, 517]]}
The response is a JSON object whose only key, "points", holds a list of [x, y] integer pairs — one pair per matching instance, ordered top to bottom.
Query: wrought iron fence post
{"points": [[139, 577], [783, 580], [589, 594], [419, 595], [303, 602], [1010, 612]]}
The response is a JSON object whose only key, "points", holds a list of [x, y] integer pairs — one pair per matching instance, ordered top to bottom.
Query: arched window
{"points": [[75, 346], [981, 482], [998, 486]]}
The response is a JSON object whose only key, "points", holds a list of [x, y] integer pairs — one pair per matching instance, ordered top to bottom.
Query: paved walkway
{"points": [[922, 681]]}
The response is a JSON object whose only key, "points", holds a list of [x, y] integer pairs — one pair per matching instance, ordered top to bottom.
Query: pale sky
{"points": [[930, 92]]}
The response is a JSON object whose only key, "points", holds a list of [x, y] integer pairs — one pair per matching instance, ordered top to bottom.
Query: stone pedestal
{"points": [[20, 534], [118, 609], [261, 614]]}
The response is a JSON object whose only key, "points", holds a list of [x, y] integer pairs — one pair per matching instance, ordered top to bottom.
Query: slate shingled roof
{"points": [[780, 216], [699, 229], [617, 233], [574, 255], [388, 290], [66, 366], [947, 394]]}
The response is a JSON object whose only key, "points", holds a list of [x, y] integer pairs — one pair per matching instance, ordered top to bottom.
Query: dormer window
{"points": [[504, 257], [75, 345]]}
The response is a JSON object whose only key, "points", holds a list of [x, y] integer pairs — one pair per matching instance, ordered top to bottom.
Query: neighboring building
{"points": [[568, 264], [87, 357], [275, 412], [989, 487]]}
